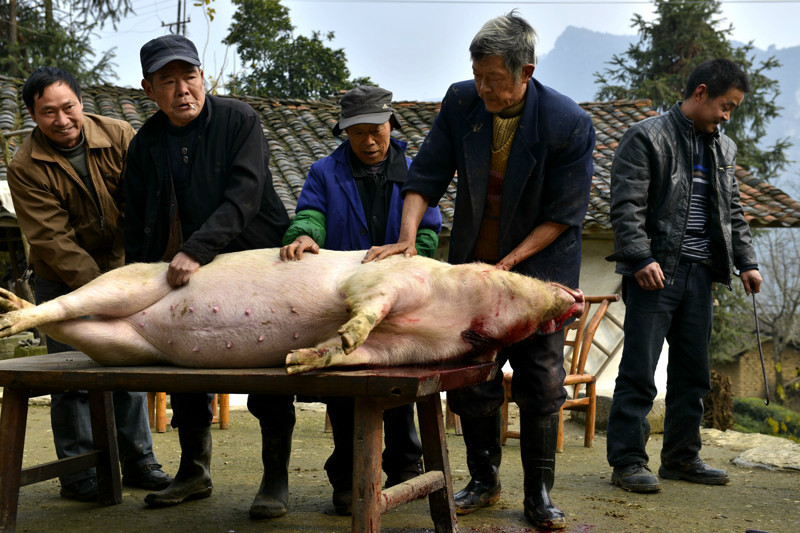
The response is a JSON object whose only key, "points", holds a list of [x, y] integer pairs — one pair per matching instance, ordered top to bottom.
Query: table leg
{"points": [[13, 421], [434, 450], [367, 465], [109, 482]]}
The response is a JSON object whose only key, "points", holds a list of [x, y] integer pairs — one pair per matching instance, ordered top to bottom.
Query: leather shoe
{"points": [[410, 471], [695, 471], [148, 476], [635, 477], [84, 490]]}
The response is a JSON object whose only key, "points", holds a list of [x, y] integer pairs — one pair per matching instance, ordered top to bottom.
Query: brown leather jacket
{"points": [[73, 239]]}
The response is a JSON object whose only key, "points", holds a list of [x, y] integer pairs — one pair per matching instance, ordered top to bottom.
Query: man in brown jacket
{"points": [[66, 183]]}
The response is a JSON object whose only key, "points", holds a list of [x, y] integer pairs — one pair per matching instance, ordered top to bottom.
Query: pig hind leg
{"points": [[118, 293], [109, 342]]}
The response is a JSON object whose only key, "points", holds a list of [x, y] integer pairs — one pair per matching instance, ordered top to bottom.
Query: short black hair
{"points": [[719, 75], [44, 77]]}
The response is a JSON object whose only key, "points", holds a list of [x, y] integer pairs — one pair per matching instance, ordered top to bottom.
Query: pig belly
{"points": [[246, 313]]}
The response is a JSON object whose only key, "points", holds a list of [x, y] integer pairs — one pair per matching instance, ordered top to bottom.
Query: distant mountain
{"points": [[578, 53], [788, 75]]}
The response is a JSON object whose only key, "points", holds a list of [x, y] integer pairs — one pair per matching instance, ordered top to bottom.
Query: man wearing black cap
{"points": [[197, 185], [351, 201]]}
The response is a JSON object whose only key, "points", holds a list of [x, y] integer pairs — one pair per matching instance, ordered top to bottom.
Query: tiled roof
{"points": [[298, 133]]}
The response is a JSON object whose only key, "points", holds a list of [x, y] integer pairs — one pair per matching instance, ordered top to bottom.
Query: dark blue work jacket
{"points": [[548, 176]]}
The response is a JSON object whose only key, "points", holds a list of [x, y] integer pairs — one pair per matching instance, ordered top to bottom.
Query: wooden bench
{"points": [[373, 390]]}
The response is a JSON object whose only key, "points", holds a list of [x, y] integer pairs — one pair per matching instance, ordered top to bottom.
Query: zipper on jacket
{"points": [[686, 220], [725, 243], [728, 254]]}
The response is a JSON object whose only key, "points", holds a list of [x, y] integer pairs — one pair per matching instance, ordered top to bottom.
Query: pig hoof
{"points": [[11, 302], [10, 324], [356, 331], [348, 342], [310, 358], [299, 369]]}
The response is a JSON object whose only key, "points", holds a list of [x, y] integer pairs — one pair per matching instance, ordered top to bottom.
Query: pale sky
{"points": [[418, 48]]}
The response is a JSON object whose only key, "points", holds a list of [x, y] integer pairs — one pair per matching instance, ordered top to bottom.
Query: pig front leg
{"points": [[366, 311], [328, 355], [308, 359]]}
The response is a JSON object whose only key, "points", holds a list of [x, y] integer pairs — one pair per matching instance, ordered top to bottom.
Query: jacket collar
{"points": [[685, 122], [156, 126], [96, 137], [342, 152], [521, 160], [395, 168], [344, 176]]}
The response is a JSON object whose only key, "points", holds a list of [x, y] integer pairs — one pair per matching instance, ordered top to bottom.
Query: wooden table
{"points": [[373, 390]]}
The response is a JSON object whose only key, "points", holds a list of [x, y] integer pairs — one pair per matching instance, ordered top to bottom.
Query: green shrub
{"points": [[752, 416]]}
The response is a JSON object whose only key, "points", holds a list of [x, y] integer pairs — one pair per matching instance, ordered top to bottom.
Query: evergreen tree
{"points": [[684, 34], [280, 65]]}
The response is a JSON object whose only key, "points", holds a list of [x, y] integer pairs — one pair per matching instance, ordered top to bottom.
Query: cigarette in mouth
{"points": [[194, 108]]}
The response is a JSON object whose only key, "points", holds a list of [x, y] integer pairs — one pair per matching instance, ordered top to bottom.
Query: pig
{"points": [[250, 309]]}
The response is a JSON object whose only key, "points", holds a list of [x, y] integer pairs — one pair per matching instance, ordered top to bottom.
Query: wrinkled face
{"points": [[496, 86], [178, 89], [709, 113], [59, 114], [370, 142]]}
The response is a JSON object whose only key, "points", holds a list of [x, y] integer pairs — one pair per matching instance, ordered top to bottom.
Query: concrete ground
{"points": [[757, 499]]}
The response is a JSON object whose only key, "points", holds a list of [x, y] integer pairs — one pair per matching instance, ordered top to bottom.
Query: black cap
{"points": [[161, 50], [365, 105]]}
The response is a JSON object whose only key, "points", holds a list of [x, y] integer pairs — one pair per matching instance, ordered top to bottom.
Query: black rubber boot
{"points": [[538, 437], [482, 440], [193, 480], [273, 494]]}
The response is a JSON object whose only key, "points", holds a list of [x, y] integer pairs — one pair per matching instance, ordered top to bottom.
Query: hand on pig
{"points": [[406, 248], [294, 251], [181, 269]]}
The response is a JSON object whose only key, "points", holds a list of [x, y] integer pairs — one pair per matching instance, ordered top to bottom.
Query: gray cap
{"points": [[161, 50], [365, 105]]}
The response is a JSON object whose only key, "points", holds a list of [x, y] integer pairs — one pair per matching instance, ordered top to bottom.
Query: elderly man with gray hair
{"points": [[523, 156]]}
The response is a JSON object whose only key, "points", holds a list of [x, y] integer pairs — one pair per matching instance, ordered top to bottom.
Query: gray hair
{"points": [[510, 37]]}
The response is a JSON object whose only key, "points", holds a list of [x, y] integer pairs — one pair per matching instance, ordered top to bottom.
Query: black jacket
{"points": [[230, 188], [651, 188]]}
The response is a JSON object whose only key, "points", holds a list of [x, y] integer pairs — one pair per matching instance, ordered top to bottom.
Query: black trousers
{"points": [[681, 313], [537, 385], [69, 411], [400, 437]]}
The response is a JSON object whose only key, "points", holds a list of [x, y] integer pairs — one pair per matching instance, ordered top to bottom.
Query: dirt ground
{"points": [[756, 499]]}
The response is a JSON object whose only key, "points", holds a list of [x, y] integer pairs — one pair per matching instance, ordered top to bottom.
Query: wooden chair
{"points": [[581, 343], [157, 410]]}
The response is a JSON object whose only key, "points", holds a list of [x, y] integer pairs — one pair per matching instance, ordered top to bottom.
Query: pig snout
{"points": [[573, 302], [576, 309]]}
